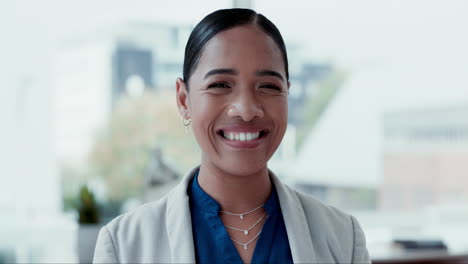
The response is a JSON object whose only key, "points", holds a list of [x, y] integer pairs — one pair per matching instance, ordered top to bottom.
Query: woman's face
{"points": [[237, 100]]}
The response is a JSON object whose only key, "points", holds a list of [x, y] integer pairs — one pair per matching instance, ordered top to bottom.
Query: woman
{"points": [[234, 93]]}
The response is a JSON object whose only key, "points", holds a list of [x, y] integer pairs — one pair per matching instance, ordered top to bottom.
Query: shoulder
{"points": [[315, 210], [319, 211], [147, 214], [152, 215], [335, 228], [148, 233], [334, 233], [130, 236]]}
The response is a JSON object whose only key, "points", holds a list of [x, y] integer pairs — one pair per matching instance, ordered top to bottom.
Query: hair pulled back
{"points": [[221, 20]]}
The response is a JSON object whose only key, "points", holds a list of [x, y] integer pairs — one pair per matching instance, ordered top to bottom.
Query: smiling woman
{"points": [[239, 87], [232, 208]]}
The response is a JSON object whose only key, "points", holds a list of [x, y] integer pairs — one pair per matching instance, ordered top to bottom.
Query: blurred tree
{"points": [[318, 102], [122, 151]]}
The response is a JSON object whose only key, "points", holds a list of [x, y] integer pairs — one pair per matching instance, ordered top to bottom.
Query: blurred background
{"points": [[378, 118]]}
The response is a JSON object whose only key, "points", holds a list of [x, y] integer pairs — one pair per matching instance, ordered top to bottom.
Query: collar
{"points": [[200, 199], [203, 201], [179, 224]]}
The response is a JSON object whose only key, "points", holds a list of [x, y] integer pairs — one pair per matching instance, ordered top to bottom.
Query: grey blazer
{"points": [[161, 231]]}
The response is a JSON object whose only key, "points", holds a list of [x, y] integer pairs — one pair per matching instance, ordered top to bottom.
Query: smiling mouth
{"points": [[242, 136]]}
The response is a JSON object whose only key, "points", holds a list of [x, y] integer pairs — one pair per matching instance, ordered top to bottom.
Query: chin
{"points": [[242, 167]]}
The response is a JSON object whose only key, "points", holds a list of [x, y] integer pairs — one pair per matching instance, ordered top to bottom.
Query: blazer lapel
{"points": [[179, 222], [297, 227]]}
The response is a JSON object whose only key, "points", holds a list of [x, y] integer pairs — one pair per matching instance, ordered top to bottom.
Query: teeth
{"points": [[241, 136]]}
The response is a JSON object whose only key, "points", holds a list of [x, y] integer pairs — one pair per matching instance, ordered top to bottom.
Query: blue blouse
{"points": [[212, 242]]}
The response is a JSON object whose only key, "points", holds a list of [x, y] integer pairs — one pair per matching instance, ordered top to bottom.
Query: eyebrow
{"points": [[221, 71], [234, 72], [270, 73]]}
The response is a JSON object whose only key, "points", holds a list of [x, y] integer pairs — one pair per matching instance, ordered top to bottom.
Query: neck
{"points": [[235, 193]]}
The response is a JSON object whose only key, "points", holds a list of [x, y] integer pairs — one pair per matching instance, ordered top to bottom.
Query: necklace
{"points": [[242, 214], [246, 231], [250, 241]]}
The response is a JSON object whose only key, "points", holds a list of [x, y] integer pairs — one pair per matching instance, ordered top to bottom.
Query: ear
{"points": [[182, 98]]}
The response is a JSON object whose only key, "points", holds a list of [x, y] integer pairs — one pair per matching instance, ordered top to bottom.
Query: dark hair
{"points": [[221, 20]]}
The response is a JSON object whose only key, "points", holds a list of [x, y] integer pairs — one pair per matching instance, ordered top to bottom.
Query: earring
{"points": [[186, 123]]}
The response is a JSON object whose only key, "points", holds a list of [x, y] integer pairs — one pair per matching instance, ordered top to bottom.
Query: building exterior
{"points": [[425, 159]]}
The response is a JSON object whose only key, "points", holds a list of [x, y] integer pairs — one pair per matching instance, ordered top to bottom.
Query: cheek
{"points": [[203, 109], [278, 110], [204, 113], [279, 115]]}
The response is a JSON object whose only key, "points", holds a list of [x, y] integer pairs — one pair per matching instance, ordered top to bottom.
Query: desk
{"points": [[401, 256]]}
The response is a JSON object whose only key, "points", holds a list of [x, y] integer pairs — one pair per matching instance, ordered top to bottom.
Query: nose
{"points": [[246, 106]]}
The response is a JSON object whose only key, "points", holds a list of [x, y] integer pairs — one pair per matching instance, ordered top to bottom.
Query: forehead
{"points": [[243, 48]]}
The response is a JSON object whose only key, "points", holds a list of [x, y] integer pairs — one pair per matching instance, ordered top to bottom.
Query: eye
{"points": [[218, 85], [271, 87]]}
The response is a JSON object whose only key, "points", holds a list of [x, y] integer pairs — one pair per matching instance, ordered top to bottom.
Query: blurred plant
{"points": [[122, 151], [71, 178], [88, 209]]}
